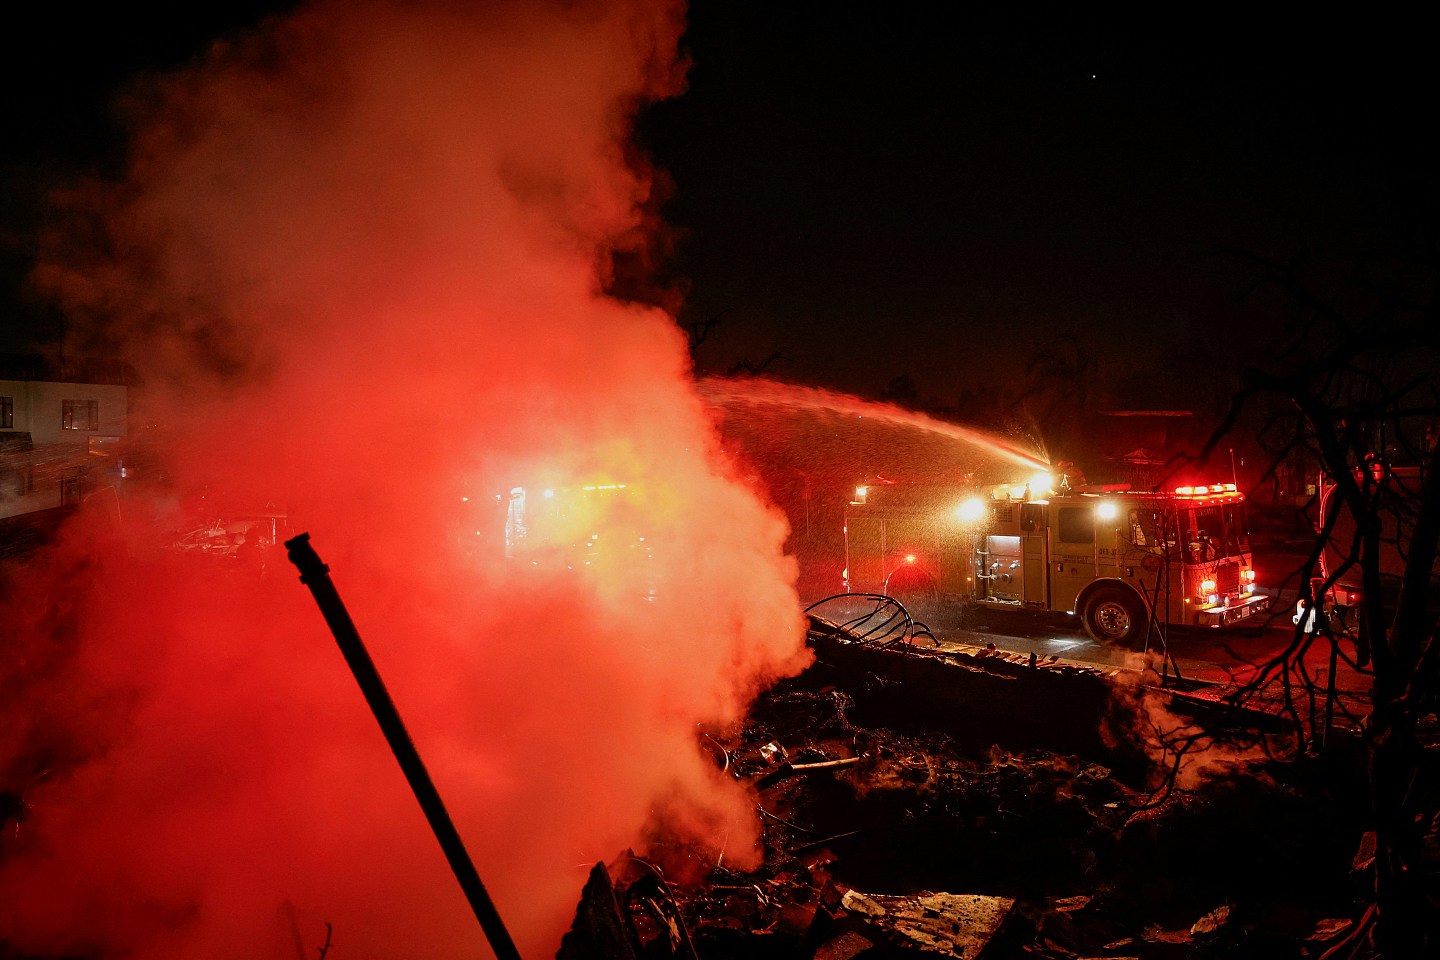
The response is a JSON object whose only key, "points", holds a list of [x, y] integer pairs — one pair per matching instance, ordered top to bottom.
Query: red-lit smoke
{"points": [[356, 261]]}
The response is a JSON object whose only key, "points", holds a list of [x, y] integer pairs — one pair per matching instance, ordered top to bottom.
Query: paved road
{"points": [[1214, 656], [1222, 658]]}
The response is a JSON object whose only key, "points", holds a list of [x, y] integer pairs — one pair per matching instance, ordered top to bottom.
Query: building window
{"points": [[7, 413], [80, 415]]}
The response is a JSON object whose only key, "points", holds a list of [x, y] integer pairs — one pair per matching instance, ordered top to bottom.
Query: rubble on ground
{"points": [[933, 806]]}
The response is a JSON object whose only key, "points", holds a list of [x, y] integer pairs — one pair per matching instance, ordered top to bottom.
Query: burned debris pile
{"points": [[915, 804]]}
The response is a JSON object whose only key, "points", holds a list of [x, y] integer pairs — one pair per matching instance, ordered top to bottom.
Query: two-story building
{"points": [[61, 424]]}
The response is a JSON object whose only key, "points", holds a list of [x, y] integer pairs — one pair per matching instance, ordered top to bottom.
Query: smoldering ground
{"points": [[357, 262]]}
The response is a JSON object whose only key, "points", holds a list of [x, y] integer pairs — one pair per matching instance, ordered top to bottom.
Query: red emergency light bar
{"points": [[1211, 490]]}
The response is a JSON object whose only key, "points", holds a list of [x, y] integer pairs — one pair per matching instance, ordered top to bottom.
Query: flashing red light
{"points": [[1212, 489], [909, 558]]}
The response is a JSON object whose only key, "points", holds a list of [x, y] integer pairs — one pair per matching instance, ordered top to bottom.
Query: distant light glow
{"points": [[971, 510]]}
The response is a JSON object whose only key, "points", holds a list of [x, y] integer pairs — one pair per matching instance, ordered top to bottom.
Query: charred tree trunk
{"points": [[1404, 691]]}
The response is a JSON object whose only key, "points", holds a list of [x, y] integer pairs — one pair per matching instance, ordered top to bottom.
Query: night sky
{"points": [[921, 189]]}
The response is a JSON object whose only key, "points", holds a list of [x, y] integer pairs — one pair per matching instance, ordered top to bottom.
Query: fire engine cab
{"points": [[1120, 559]]}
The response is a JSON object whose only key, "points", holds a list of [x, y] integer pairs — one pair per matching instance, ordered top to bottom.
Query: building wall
{"points": [[39, 405], [57, 468]]}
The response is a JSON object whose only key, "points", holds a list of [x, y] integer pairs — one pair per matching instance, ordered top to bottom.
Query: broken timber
{"points": [[946, 924]]}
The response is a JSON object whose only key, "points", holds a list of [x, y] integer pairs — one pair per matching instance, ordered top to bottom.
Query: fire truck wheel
{"points": [[1115, 617]]}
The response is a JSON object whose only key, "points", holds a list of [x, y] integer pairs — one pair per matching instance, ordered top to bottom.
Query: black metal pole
{"points": [[316, 576], [1330, 692]]}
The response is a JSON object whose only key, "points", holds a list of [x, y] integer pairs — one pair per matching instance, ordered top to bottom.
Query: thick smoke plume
{"points": [[358, 264], [1185, 754]]}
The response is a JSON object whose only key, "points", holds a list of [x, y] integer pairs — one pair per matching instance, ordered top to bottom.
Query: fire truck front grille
{"points": [[1227, 578]]}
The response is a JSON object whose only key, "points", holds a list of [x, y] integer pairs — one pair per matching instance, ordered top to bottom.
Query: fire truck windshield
{"points": [[1215, 530]]}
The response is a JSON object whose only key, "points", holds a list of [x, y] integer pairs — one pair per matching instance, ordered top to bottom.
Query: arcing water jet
{"points": [[753, 392]]}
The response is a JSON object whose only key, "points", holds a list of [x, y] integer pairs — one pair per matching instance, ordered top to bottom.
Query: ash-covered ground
{"points": [[961, 806]]}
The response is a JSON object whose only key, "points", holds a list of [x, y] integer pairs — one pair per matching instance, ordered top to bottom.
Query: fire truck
{"points": [[1395, 495], [591, 527], [1122, 560]]}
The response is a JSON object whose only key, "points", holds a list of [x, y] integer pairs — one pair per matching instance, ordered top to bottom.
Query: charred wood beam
{"points": [[787, 769]]}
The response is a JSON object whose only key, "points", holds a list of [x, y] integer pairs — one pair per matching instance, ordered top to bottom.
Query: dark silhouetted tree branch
{"points": [[1354, 387]]}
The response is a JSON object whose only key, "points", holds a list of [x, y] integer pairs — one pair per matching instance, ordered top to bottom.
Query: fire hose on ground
{"points": [[316, 575]]}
